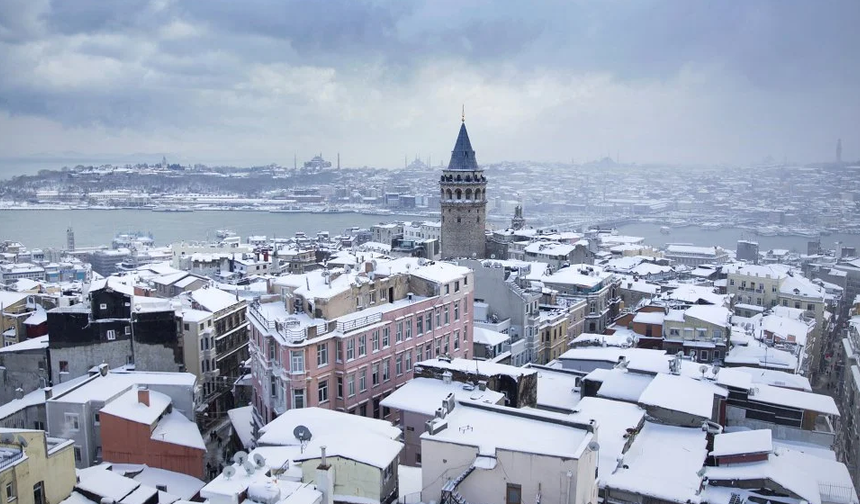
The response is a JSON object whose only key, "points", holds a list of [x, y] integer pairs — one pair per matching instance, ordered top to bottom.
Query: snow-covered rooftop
{"points": [[213, 300], [711, 314], [488, 337], [39, 343], [484, 368], [623, 385], [557, 390], [681, 393], [425, 395], [128, 407], [613, 418], [321, 422], [174, 428], [742, 443]]}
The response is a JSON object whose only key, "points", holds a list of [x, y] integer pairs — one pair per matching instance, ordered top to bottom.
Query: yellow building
{"points": [[34, 468]]}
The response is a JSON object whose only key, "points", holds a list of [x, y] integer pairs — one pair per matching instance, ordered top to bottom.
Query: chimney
{"points": [[266, 255], [103, 369], [447, 377], [19, 393], [49, 393], [143, 395], [325, 479]]}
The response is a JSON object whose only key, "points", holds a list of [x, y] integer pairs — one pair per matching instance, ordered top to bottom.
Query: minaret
{"points": [[463, 199], [518, 222]]}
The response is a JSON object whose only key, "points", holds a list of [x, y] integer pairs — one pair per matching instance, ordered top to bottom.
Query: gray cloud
{"points": [[661, 80]]}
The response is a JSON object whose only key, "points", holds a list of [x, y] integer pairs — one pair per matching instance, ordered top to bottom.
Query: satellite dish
{"points": [[703, 369], [715, 369], [302, 433], [22, 441], [594, 446], [240, 457], [259, 460], [249, 467], [229, 472]]}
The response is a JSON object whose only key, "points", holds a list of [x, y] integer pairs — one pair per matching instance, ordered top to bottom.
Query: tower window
{"points": [[458, 219]]}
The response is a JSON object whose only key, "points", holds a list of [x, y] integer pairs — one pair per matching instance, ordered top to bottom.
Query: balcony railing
{"points": [[358, 323], [291, 331]]}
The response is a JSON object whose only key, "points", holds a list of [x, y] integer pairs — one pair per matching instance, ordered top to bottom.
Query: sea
{"points": [[47, 228]]}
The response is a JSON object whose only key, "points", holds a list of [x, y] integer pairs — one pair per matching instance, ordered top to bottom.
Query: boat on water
{"points": [[665, 230]]}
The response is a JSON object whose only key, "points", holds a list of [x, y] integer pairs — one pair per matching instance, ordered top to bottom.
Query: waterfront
{"points": [[47, 228]]}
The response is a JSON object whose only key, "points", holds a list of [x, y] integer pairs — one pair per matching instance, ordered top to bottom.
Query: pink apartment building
{"points": [[345, 338]]}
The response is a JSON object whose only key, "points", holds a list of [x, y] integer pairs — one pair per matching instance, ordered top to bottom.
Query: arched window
{"points": [[459, 178], [468, 178], [443, 194], [459, 194], [468, 194], [478, 194], [450, 195]]}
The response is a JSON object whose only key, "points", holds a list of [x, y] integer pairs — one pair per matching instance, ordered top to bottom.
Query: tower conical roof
{"points": [[463, 157]]}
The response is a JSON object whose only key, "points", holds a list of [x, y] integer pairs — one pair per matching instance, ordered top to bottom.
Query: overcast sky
{"points": [[255, 81]]}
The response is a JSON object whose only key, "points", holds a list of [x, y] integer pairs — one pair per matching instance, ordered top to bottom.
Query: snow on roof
{"points": [[607, 239], [549, 248], [690, 249], [649, 268], [582, 275], [114, 283], [800, 286], [694, 293], [8, 298], [213, 300], [190, 315], [716, 315], [40, 316], [649, 317], [791, 330], [489, 337], [617, 339], [39, 343], [757, 354], [483, 368], [775, 377], [623, 385], [103, 388], [557, 389], [681, 393], [425, 395], [37, 397], [807, 401], [128, 406], [613, 418], [241, 420], [321, 422], [175, 429], [535, 433], [742, 443], [374, 450], [662, 462], [812, 478], [106, 484], [178, 484], [140, 495], [77, 498]]}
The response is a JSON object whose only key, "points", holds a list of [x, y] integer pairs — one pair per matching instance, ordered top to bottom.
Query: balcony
{"points": [[357, 323], [291, 330]]}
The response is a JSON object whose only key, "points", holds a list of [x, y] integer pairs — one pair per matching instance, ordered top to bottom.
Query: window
{"points": [[731, 281], [447, 288], [773, 288], [372, 297], [103, 306], [466, 306], [810, 307], [456, 310], [447, 315], [438, 318], [428, 321], [409, 328], [419, 328], [127, 330], [398, 332], [111, 334], [718, 334], [386, 337], [374, 340], [456, 340], [447, 343], [338, 345], [362, 345], [438, 346], [350, 349], [419, 350], [428, 352], [322, 354], [705, 355], [409, 361], [297, 362], [398, 365], [64, 366], [386, 370], [374, 376], [362, 380], [350, 385], [274, 386], [340, 387], [322, 391], [298, 398], [97, 418], [73, 422], [79, 454], [10, 492], [513, 494]]}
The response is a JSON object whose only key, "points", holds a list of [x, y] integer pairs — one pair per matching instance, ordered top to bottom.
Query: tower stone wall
{"points": [[464, 202]]}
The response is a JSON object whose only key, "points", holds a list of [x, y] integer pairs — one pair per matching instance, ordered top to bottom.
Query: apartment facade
{"points": [[343, 339], [35, 468]]}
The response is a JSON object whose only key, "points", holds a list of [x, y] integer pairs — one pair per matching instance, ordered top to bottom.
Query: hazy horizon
{"points": [[252, 83]]}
